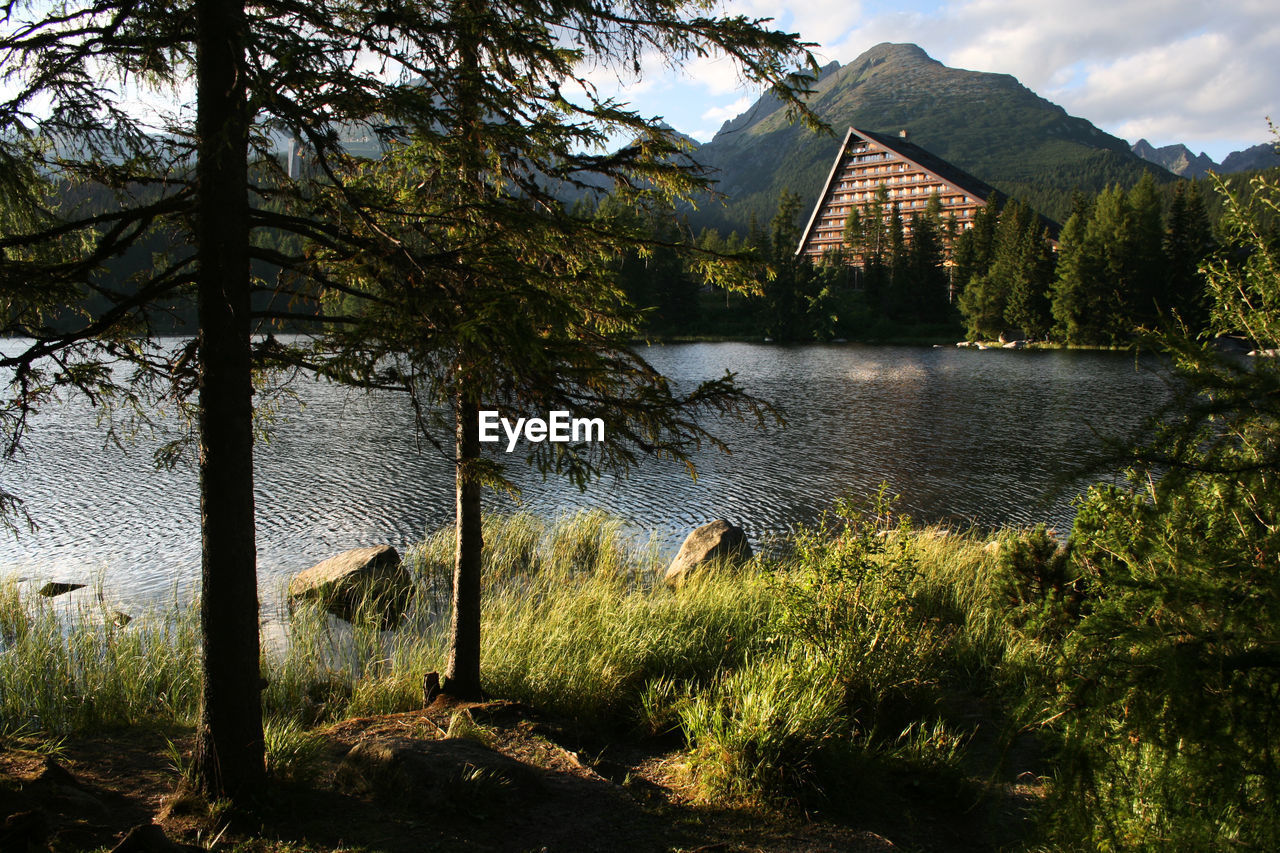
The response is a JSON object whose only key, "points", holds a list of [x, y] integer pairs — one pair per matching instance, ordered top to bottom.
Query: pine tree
{"points": [[852, 238], [1188, 240], [974, 247], [484, 261], [1027, 268], [1147, 268], [924, 273], [1104, 283], [785, 292], [1012, 293], [1078, 300], [514, 303], [1169, 724]]}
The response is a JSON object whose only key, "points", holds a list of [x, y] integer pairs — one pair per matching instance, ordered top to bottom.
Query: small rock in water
{"points": [[53, 588]]}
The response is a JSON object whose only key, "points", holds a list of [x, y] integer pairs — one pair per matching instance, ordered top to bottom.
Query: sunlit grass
{"points": [[577, 622], [67, 671]]}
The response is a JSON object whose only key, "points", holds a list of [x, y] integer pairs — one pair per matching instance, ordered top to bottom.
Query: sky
{"points": [[1171, 71], [1201, 73]]}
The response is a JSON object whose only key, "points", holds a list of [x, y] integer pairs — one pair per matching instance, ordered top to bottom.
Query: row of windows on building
{"points": [[894, 168], [856, 182], [907, 192], [835, 214], [834, 233]]}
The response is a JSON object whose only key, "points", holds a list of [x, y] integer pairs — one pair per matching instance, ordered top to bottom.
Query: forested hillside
{"points": [[990, 125]]}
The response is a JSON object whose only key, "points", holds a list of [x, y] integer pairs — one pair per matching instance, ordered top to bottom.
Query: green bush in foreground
{"points": [[1170, 694]]}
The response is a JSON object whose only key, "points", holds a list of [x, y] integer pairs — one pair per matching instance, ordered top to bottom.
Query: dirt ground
{"points": [[509, 780]]}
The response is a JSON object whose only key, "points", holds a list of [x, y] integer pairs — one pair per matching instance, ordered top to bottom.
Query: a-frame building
{"points": [[910, 176]]}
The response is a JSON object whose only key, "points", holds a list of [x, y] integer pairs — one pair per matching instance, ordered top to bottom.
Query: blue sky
{"points": [[1191, 71], [1206, 74]]}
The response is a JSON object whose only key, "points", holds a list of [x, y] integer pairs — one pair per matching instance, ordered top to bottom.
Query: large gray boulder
{"points": [[718, 540], [362, 576]]}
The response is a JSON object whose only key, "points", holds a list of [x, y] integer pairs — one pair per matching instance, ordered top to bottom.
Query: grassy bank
{"points": [[855, 650], [872, 666]]}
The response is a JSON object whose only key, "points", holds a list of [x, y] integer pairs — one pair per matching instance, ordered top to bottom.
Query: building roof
{"points": [[908, 151]]}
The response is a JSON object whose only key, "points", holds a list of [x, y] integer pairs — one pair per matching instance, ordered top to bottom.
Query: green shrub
{"points": [[1170, 696], [759, 730]]}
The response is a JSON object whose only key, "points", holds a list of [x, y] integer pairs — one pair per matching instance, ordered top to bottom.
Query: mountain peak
{"points": [[887, 51], [889, 58], [988, 125], [1176, 158]]}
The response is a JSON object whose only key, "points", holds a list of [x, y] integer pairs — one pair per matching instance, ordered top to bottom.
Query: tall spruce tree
{"points": [[471, 97], [1188, 240], [973, 247], [1148, 267], [1029, 269], [926, 276], [1097, 284], [783, 293], [1077, 303], [524, 317]]}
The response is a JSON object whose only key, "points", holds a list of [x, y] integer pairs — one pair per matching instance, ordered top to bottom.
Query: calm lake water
{"points": [[964, 436]]}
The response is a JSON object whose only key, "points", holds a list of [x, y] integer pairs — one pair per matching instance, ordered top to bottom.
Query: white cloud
{"points": [[1182, 70], [1177, 71], [717, 74], [729, 110]]}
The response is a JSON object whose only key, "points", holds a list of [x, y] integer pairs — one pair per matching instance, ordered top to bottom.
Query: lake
{"points": [[964, 436]]}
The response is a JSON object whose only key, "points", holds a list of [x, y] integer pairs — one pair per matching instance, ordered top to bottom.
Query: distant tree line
{"points": [[1125, 259], [899, 289]]}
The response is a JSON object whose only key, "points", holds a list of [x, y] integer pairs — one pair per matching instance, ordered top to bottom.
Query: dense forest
{"points": [[1124, 259]]}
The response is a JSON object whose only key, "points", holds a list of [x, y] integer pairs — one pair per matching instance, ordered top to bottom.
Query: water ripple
{"points": [[964, 436]]}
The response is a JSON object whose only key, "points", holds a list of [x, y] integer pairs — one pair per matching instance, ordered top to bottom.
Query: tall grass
{"points": [[880, 635], [76, 671], [781, 675]]}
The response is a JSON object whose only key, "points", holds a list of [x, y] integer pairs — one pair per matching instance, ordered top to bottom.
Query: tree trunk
{"points": [[462, 676], [229, 746]]}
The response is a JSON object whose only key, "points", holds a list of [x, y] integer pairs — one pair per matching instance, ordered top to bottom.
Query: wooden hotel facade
{"points": [[910, 176]]}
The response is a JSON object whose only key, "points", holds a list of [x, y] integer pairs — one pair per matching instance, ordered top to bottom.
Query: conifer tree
{"points": [[475, 101], [1188, 240], [974, 246], [1149, 274], [926, 277], [1101, 278], [786, 291], [1010, 295], [1077, 303], [1169, 723]]}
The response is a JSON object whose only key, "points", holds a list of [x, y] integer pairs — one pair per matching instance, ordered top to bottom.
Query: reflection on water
{"points": [[964, 436]]}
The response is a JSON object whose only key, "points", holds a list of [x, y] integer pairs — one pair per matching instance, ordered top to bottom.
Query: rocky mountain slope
{"points": [[987, 124], [1176, 158], [1179, 160]]}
